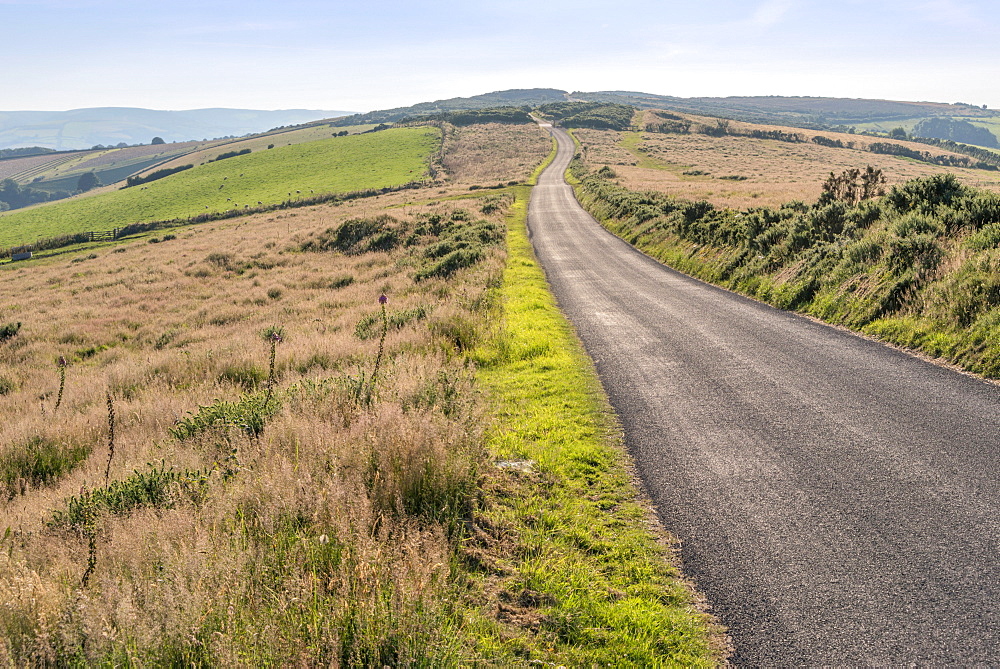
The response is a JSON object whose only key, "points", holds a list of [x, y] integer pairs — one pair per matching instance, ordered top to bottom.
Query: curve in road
{"points": [[837, 499]]}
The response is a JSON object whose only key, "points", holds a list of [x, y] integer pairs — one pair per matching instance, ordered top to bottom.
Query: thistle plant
{"points": [[382, 300], [273, 335], [61, 364], [111, 436]]}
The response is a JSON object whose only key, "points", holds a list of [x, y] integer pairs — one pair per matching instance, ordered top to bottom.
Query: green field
{"points": [[338, 164]]}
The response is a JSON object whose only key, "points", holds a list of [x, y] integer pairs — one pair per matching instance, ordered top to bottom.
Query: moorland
{"points": [[317, 404], [356, 432]]}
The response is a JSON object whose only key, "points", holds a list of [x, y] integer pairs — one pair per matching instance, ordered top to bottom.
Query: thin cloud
{"points": [[950, 12], [771, 13]]}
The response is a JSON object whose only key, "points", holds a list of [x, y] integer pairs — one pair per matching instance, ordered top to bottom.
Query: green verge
{"points": [[589, 563]]}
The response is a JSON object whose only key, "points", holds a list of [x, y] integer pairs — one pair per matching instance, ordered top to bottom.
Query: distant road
{"points": [[838, 500]]}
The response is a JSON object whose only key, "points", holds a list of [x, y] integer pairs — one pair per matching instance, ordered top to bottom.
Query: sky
{"points": [[359, 56]]}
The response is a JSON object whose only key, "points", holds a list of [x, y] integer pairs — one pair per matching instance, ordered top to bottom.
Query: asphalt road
{"points": [[837, 499]]}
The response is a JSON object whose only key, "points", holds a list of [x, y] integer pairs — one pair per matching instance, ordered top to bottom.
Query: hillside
{"points": [[531, 97], [806, 112], [108, 126], [743, 165], [262, 177], [899, 249], [224, 449]]}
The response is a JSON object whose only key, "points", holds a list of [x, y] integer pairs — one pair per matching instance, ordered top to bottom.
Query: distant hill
{"points": [[518, 97], [797, 111], [110, 126]]}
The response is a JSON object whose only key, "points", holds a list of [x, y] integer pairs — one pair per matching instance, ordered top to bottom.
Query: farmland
{"points": [[339, 164], [742, 171], [175, 497]]}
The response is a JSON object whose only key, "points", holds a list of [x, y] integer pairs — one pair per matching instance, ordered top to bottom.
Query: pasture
{"points": [[341, 164]]}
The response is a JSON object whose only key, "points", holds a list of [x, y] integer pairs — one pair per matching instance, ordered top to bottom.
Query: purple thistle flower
{"points": [[382, 299]]}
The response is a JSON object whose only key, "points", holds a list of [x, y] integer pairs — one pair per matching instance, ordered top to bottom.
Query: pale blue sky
{"points": [[183, 54]]}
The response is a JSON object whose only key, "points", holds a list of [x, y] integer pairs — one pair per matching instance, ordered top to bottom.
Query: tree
{"points": [[898, 133], [157, 140], [87, 181]]}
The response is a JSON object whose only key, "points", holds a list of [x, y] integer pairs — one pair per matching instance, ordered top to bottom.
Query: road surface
{"points": [[837, 499]]}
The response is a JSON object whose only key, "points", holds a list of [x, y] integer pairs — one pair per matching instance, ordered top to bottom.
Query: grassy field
{"points": [[261, 142], [339, 164], [745, 172], [221, 449]]}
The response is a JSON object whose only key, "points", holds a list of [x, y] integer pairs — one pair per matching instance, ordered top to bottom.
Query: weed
{"points": [[382, 299], [371, 325], [273, 335], [165, 339], [61, 364], [7, 385], [249, 414], [111, 435], [39, 461], [158, 487]]}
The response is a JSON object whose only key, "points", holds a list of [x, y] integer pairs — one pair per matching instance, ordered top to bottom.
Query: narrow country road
{"points": [[837, 500]]}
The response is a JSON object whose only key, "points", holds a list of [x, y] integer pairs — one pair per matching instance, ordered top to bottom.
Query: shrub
{"points": [[359, 235], [451, 263], [9, 330]]}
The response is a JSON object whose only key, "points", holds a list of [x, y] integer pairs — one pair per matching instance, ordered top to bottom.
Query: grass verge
{"points": [[589, 574]]}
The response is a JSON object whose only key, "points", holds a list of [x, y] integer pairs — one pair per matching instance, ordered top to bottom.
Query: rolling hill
{"points": [[109, 126], [331, 165]]}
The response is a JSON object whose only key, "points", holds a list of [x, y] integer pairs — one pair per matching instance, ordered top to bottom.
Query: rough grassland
{"points": [[340, 164], [769, 172], [317, 498]]}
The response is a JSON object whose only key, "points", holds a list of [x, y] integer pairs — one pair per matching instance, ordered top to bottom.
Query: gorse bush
{"points": [[920, 256], [9, 330]]}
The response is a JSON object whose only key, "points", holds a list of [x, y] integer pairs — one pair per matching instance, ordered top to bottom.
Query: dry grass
{"points": [[493, 153], [776, 172], [300, 546]]}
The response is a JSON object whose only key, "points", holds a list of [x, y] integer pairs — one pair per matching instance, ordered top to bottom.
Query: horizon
{"points": [[306, 54], [570, 92]]}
